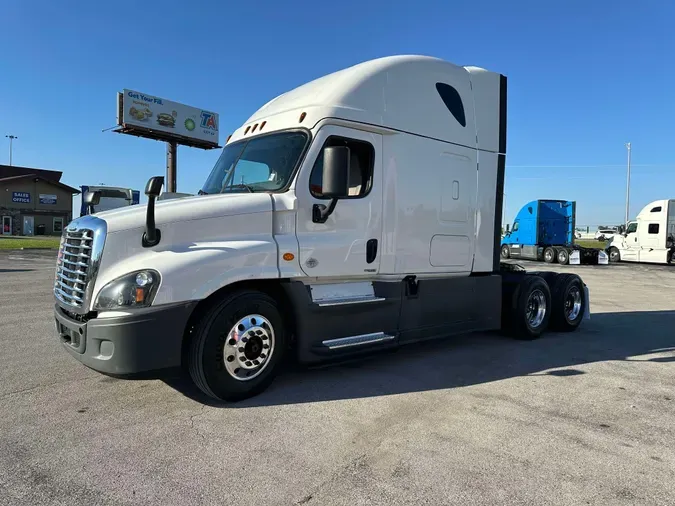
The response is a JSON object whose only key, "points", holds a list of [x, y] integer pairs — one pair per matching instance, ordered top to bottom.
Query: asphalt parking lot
{"points": [[583, 418]]}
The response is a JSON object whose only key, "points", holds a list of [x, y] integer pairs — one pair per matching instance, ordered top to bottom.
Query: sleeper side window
{"points": [[453, 101], [361, 163], [653, 228]]}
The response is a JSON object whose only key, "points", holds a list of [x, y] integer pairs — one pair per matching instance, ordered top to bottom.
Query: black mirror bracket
{"points": [[321, 212], [152, 235], [149, 244]]}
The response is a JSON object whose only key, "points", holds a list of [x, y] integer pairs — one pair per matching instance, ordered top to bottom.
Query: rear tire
{"points": [[505, 252], [550, 255], [614, 255], [563, 257], [568, 305], [529, 308], [237, 346]]}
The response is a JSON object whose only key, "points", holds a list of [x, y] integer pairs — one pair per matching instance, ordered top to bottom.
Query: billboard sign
{"points": [[158, 118], [21, 197], [47, 199]]}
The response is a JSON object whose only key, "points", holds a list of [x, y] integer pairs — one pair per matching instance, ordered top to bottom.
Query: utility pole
{"points": [[11, 138], [628, 185]]}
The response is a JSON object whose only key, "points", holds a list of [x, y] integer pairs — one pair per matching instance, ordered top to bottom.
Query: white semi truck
{"points": [[358, 212], [650, 238]]}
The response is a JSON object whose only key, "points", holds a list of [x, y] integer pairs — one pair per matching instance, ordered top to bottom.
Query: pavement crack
{"points": [[192, 422]]}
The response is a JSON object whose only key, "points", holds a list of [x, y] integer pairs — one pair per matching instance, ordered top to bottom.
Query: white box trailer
{"points": [[357, 212], [649, 238]]}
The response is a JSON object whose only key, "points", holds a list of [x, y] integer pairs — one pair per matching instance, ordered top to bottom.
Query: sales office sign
{"points": [[21, 197]]}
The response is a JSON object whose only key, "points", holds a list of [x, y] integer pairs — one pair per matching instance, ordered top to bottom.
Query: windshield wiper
{"points": [[240, 185]]}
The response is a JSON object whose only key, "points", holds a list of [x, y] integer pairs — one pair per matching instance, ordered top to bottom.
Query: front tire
{"points": [[505, 252], [614, 255], [568, 304], [530, 308], [237, 346]]}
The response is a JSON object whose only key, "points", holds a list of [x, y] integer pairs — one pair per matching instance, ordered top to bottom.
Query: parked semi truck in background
{"points": [[110, 197], [345, 216], [545, 230], [650, 238]]}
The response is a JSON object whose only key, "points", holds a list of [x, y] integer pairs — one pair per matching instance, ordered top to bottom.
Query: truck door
{"points": [[513, 239], [632, 243], [348, 244]]}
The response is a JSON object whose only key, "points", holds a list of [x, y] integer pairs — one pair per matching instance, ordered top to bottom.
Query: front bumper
{"points": [[148, 339]]}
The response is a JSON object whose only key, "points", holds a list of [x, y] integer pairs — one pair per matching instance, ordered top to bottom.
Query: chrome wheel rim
{"points": [[548, 255], [613, 255], [562, 256], [573, 304], [536, 308], [248, 347]]}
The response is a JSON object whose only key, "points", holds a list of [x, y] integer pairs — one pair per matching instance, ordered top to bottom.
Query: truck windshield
{"points": [[261, 164]]}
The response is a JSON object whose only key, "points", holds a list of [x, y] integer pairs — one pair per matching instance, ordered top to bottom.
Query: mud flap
{"points": [[575, 258], [603, 259]]}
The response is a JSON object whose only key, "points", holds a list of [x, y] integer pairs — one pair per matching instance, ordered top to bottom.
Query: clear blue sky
{"points": [[584, 78]]}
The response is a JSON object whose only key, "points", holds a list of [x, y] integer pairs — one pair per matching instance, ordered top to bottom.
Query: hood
{"points": [[187, 209]]}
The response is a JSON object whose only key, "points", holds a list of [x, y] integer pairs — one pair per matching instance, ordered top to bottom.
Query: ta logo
{"points": [[209, 121]]}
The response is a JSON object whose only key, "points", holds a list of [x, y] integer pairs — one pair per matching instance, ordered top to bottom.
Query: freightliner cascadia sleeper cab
{"points": [[358, 212], [544, 230]]}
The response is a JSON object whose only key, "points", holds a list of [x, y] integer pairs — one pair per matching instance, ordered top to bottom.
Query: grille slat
{"points": [[73, 265], [69, 287], [68, 298]]}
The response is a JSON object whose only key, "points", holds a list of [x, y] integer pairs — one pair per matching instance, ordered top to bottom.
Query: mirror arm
{"points": [[321, 212], [152, 234]]}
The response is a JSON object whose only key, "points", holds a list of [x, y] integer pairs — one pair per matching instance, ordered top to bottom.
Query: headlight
{"points": [[136, 289]]}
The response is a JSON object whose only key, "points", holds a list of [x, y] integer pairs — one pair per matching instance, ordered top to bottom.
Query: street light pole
{"points": [[11, 138], [628, 184]]}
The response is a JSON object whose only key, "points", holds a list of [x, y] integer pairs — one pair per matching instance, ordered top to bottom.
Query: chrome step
{"points": [[348, 300], [343, 342]]}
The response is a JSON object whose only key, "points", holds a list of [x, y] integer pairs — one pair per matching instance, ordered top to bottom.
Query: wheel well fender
{"points": [[274, 288]]}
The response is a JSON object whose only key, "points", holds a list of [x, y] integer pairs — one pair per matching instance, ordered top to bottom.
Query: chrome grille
{"points": [[77, 262]]}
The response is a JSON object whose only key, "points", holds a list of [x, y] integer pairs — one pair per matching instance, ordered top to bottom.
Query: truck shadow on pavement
{"points": [[467, 360]]}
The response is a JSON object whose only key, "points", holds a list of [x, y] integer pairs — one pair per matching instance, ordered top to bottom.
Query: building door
{"points": [[6, 225], [28, 225]]}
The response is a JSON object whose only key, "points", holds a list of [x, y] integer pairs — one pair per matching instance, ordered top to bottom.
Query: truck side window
{"points": [[360, 167], [655, 210], [515, 227], [632, 228], [653, 228]]}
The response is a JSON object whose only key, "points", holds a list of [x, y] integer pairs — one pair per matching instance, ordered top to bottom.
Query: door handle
{"points": [[371, 250]]}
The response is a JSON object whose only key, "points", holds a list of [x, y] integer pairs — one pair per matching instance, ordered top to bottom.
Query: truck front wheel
{"points": [[506, 252], [614, 254], [237, 346]]}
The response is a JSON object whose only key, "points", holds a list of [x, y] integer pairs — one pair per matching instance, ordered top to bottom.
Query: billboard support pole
{"points": [[171, 156]]}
